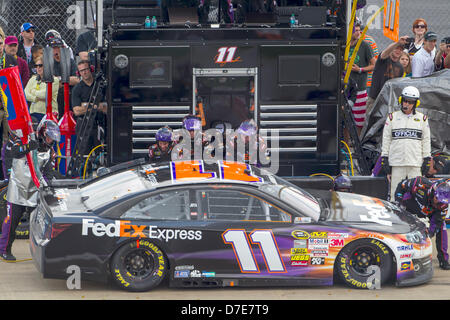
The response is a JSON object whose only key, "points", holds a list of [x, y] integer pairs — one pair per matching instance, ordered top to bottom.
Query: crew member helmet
{"points": [[192, 122], [247, 128], [48, 129], [164, 134], [343, 183], [442, 194]]}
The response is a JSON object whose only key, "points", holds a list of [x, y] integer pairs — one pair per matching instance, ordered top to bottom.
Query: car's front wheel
{"points": [[363, 263], [138, 266]]}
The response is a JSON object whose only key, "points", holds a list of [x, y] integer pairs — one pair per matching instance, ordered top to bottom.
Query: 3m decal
{"points": [[336, 243], [245, 255]]}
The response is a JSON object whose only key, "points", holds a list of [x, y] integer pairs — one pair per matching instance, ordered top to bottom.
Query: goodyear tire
{"points": [[23, 229], [354, 260], [138, 266]]}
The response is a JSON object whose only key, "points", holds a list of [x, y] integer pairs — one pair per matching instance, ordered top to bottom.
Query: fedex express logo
{"points": [[226, 55], [125, 229]]}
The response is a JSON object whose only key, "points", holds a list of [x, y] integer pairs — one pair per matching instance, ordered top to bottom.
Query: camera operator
{"points": [[81, 95]]}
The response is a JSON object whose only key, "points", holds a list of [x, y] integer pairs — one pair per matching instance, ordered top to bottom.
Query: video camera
{"points": [[409, 41], [97, 60]]}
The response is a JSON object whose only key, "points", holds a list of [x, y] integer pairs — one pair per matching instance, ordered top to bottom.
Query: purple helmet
{"points": [[191, 122], [247, 128], [164, 134], [343, 183], [442, 193]]}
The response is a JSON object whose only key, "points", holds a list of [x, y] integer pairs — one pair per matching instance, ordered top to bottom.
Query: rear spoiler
{"points": [[66, 183], [74, 183]]}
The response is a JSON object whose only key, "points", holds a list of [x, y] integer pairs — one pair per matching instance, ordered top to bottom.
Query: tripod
{"points": [[86, 126]]}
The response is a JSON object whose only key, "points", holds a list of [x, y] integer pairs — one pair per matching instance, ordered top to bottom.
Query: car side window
{"points": [[172, 205], [235, 205]]}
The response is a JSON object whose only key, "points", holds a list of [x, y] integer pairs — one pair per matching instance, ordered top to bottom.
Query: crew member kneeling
{"points": [[428, 199]]}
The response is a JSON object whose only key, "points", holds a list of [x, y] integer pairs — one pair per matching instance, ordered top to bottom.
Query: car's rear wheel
{"points": [[354, 264], [138, 266]]}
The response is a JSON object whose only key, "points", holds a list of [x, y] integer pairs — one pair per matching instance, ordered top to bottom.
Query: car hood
{"points": [[368, 213]]}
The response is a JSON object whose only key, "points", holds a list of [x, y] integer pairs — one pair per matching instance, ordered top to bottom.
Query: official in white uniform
{"points": [[406, 145]]}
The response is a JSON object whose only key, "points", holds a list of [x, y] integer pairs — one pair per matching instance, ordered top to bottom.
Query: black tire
{"points": [[23, 228], [353, 262], [138, 266]]}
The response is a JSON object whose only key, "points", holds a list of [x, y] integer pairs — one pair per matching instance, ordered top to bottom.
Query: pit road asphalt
{"points": [[21, 281]]}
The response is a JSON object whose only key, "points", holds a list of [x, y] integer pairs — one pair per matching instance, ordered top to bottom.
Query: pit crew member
{"points": [[193, 124], [254, 148], [162, 149], [22, 192], [428, 199]]}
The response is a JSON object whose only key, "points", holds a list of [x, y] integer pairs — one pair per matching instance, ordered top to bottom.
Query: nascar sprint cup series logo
{"points": [[249, 145]]}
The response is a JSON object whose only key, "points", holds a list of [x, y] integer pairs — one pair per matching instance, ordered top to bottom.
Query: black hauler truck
{"points": [[284, 77]]}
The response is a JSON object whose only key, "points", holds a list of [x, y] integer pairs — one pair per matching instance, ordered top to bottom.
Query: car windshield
{"points": [[292, 195]]}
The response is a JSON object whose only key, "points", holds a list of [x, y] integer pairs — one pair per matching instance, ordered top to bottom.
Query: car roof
{"points": [[196, 171], [150, 176]]}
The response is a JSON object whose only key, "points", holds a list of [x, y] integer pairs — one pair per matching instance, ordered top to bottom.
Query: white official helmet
{"points": [[411, 92]]}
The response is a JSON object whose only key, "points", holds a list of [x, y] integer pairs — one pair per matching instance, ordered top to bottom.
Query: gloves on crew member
{"points": [[32, 145], [426, 164], [385, 167]]}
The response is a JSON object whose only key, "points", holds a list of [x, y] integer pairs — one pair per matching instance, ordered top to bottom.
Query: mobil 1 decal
{"points": [[227, 55]]}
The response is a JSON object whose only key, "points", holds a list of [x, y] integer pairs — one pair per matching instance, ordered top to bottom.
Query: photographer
{"points": [[419, 28], [443, 54], [387, 67]]}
